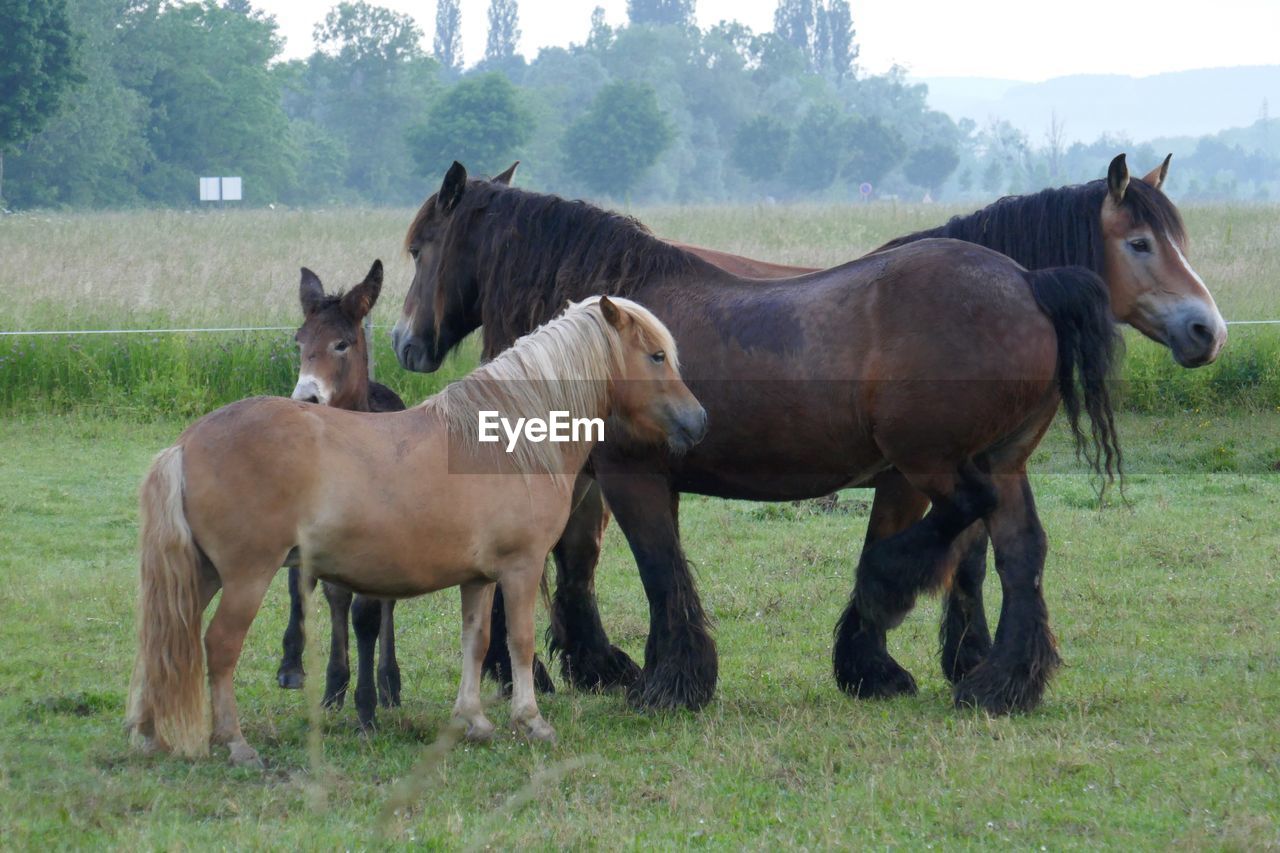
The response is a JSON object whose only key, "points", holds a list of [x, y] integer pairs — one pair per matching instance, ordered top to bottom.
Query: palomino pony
{"points": [[334, 371], [810, 384], [393, 505]]}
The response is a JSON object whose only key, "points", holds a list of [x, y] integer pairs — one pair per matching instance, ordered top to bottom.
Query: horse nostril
{"points": [[1201, 333], [312, 399]]}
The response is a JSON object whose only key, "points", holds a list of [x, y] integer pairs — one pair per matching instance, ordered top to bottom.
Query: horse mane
{"points": [[1057, 227], [542, 251], [564, 365]]}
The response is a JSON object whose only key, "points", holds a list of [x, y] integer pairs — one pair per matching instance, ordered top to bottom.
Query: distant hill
{"points": [[1182, 103]]}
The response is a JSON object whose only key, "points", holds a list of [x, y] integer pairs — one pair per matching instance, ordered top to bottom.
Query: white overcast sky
{"points": [[1011, 39]]}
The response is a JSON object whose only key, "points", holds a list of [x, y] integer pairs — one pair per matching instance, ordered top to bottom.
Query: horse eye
{"points": [[1140, 245], [413, 253], [341, 346], [659, 357]]}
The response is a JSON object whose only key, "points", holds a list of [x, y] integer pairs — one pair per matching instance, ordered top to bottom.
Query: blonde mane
{"points": [[564, 365]]}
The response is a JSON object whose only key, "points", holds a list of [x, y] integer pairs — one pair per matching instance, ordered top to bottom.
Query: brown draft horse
{"points": [[455, 291], [334, 371], [393, 505]]}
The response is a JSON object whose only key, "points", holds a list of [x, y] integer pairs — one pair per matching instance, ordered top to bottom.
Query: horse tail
{"points": [[1078, 303], [167, 699]]}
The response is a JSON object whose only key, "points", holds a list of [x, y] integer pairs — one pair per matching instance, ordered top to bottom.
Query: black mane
{"points": [[1056, 227], [541, 251]]}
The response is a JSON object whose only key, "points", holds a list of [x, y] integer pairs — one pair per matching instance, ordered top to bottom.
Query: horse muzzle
{"points": [[1196, 335], [412, 352], [310, 390], [688, 426]]}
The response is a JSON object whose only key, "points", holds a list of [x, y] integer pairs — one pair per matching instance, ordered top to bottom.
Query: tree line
{"points": [[128, 102]]}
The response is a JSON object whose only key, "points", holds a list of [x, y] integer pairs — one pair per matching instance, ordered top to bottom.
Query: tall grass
{"points": [[158, 269]]}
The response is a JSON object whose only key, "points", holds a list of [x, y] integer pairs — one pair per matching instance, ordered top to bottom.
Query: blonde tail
{"points": [[167, 696]]}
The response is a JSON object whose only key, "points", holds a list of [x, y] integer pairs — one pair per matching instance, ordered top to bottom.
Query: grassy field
{"points": [[161, 269], [1160, 730]]}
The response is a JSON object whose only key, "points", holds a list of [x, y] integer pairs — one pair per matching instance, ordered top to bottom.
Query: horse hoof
{"points": [[598, 672], [290, 679], [883, 684], [985, 689], [653, 694], [536, 730], [479, 731], [243, 755]]}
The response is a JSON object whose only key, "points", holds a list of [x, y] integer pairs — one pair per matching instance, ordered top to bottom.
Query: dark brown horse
{"points": [[334, 371], [811, 384]]}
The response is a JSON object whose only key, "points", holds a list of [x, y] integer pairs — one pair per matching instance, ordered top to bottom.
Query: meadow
{"points": [[167, 269], [1159, 731]]}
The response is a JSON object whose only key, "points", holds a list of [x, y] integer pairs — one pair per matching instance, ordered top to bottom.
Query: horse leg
{"points": [[893, 571], [521, 588], [477, 601], [366, 620], [963, 636], [223, 641], [860, 657], [587, 659], [497, 661], [388, 666], [680, 666], [291, 673], [338, 675], [1014, 675]]}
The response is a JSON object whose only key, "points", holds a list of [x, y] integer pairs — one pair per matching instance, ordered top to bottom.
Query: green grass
{"points": [[161, 269], [1160, 730]]}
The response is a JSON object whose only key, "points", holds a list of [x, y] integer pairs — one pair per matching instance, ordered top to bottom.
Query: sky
{"points": [[1007, 39]]}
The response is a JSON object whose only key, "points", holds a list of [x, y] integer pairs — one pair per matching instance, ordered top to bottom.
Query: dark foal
{"points": [[335, 372]]}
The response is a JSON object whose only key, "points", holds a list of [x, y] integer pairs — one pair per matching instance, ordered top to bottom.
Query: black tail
{"points": [[1077, 302]]}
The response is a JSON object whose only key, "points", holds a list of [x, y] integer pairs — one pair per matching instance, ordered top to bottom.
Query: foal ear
{"points": [[1157, 175], [505, 177], [1117, 178], [455, 181], [310, 292], [359, 301], [613, 315]]}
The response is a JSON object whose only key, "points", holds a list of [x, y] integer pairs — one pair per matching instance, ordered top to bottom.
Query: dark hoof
{"points": [[961, 659], [865, 670], [597, 672], [291, 679], [879, 679], [675, 684], [389, 688], [995, 690], [335, 699]]}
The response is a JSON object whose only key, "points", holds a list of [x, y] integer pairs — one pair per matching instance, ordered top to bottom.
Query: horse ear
{"points": [[1157, 175], [505, 177], [1117, 178], [455, 182], [310, 292], [360, 300], [613, 315]]}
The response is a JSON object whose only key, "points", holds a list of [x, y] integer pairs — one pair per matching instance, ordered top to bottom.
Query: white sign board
{"points": [[210, 189], [220, 189]]}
